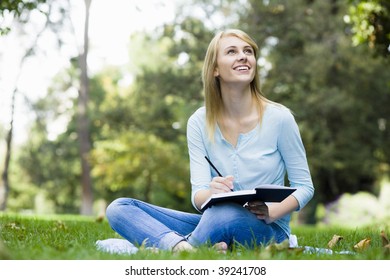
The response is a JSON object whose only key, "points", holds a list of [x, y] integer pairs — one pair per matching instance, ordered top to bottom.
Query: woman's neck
{"points": [[238, 103], [240, 114]]}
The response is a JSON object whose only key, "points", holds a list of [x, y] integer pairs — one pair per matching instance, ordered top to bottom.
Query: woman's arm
{"points": [[291, 149], [293, 152], [217, 185], [272, 212]]}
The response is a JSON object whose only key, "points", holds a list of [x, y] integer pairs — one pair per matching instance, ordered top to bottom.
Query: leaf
{"points": [[99, 218], [60, 226], [335, 239], [385, 240], [363, 244], [278, 246], [296, 250]]}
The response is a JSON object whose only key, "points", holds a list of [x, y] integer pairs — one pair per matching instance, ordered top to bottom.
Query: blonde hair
{"points": [[211, 85]]}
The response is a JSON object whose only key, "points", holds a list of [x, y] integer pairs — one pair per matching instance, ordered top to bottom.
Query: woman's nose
{"points": [[241, 56]]}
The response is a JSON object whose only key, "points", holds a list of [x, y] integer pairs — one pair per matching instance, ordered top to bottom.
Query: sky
{"points": [[111, 24]]}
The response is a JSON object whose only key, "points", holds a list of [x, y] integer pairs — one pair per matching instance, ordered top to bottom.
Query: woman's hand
{"points": [[222, 184], [217, 185], [260, 209], [270, 213]]}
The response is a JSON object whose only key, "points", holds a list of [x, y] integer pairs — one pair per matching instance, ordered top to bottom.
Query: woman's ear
{"points": [[216, 72]]}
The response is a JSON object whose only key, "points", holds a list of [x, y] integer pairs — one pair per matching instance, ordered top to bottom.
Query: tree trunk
{"points": [[83, 124], [4, 186]]}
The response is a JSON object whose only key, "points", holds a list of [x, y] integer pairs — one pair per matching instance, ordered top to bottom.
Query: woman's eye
{"points": [[248, 51], [231, 52]]}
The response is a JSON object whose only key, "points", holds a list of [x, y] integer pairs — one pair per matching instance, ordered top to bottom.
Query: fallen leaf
{"points": [[99, 218], [59, 225], [335, 239], [385, 240], [362, 244], [278, 246], [297, 250]]}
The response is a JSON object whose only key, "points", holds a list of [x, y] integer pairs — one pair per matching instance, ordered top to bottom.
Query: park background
{"points": [[83, 123]]}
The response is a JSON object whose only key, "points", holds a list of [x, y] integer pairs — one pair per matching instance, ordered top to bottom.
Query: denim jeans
{"points": [[154, 226]]}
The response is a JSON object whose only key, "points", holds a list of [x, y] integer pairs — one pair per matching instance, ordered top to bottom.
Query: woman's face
{"points": [[236, 61]]}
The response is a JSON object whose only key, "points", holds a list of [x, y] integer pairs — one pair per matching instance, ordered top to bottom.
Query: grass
{"points": [[72, 237]]}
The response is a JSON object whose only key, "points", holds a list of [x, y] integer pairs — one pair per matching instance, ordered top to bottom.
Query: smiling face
{"points": [[236, 61]]}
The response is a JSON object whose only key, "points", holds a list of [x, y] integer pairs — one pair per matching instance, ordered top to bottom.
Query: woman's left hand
{"points": [[260, 209]]}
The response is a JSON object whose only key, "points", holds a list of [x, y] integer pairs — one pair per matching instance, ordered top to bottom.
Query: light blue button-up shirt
{"points": [[264, 155]]}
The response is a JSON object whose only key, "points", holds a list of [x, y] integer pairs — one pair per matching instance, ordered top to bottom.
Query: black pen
{"points": [[212, 165]]}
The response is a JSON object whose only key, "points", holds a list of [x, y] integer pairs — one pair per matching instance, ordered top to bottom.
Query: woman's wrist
{"points": [[201, 196]]}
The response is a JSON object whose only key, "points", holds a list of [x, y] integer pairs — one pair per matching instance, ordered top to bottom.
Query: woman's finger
{"points": [[222, 184], [258, 208]]}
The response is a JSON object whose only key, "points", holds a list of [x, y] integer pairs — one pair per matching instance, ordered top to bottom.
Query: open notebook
{"points": [[265, 193]]}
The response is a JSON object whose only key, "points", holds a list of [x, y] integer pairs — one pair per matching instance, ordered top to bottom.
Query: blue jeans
{"points": [[154, 226]]}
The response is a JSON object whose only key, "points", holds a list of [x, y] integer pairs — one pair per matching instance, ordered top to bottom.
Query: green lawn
{"points": [[72, 237]]}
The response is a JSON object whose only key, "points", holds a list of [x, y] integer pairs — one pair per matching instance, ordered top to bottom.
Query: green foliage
{"points": [[19, 6], [19, 9], [370, 21], [328, 86], [167, 88], [339, 94], [138, 132], [143, 152], [51, 162], [53, 166], [143, 166], [23, 193]]}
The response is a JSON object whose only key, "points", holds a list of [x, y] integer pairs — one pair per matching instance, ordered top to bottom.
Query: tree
{"points": [[19, 9], [22, 10], [370, 22], [307, 62], [337, 97], [83, 123], [143, 149], [144, 166], [59, 183]]}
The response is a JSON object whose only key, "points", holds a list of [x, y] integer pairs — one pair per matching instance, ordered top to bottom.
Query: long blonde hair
{"points": [[211, 85]]}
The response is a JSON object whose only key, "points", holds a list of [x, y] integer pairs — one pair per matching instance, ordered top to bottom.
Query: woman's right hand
{"points": [[222, 184], [217, 185]]}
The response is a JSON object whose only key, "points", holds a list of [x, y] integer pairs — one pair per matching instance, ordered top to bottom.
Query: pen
{"points": [[212, 165]]}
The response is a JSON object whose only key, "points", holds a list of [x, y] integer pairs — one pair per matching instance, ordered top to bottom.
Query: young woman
{"points": [[250, 139]]}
